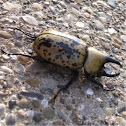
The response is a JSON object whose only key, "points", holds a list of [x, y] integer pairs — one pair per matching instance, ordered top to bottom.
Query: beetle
{"points": [[69, 51]]}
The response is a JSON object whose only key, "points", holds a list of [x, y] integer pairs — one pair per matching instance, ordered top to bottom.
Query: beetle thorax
{"points": [[94, 61]]}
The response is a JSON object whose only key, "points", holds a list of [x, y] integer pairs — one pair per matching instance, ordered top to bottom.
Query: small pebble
{"points": [[1, 1], [55, 1], [62, 3], [112, 3], [11, 6], [37, 6], [52, 9], [102, 14], [39, 15], [69, 18], [102, 19], [29, 20], [80, 25], [98, 25], [112, 31], [5, 35], [18, 35], [86, 37], [123, 37], [117, 40], [106, 45], [116, 45], [30, 51], [5, 57], [23, 59], [19, 68], [6, 69], [108, 70], [2, 77], [33, 82], [109, 85], [46, 90], [90, 91], [31, 94], [13, 97], [99, 99], [24, 103], [36, 103], [44, 103], [12, 104], [69, 107], [80, 107], [2, 109], [121, 109], [110, 111], [22, 113], [49, 113], [30, 114], [123, 114], [61, 115], [37, 116], [76, 118], [11, 119], [121, 121], [58, 123]]}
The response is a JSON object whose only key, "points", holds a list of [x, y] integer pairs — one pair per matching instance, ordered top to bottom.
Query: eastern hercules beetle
{"points": [[68, 51]]}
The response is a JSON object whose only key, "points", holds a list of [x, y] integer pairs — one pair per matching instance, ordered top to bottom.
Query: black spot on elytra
{"points": [[45, 42], [74, 43], [54, 45], [66, 48], [44, 50], [60, 50], [44, 54], [49, 54], [68, 56], [59, 57], [49, 59], [63, 61], [74, 64]]}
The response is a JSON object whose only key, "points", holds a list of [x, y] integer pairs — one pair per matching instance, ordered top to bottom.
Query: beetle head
{"points": [[94, 64]]}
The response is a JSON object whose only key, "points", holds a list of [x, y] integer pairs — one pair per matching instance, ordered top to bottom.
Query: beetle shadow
{"points": [[57, 73], [50, 74]]}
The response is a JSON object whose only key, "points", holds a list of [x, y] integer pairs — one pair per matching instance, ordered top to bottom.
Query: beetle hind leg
{"points": [[29, 56], [65, 87]]}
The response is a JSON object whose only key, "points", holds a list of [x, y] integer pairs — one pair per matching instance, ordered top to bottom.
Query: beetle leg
{"points": [[29, 56], [94, 81], [99, 84], [65, 87]]}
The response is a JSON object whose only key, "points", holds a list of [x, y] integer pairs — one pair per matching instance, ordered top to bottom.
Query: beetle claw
{"points": [[3, 51], [107, 89], [52, 101]]}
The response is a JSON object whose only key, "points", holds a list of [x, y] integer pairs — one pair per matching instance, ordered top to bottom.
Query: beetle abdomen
{"points": [[62, 49]]}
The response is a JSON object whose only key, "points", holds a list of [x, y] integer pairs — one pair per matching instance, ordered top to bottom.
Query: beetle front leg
{"points": [[94, 81], [98, 83], [66, 86]]}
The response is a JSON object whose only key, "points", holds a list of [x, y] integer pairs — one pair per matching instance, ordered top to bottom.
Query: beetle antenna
{"points": [[33, 37]]}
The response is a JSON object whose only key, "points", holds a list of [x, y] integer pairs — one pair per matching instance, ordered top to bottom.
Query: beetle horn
{"points": [[109, 59], [110, 75]]}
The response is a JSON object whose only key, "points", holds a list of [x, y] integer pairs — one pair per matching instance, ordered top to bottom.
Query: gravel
{"points": [[27, 86]]}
